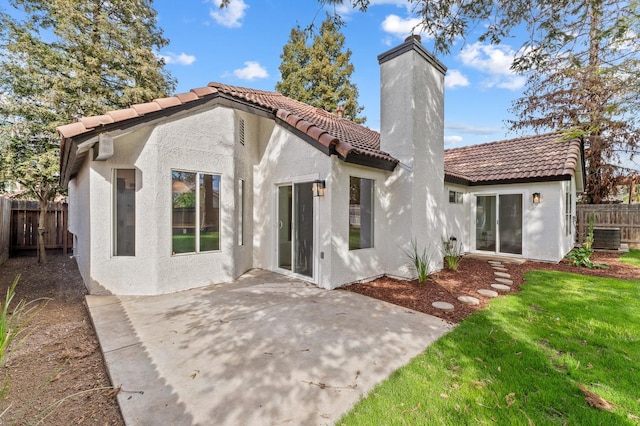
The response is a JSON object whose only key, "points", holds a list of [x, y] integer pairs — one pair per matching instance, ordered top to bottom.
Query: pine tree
{"points": [[67, 59], [320, 74]]}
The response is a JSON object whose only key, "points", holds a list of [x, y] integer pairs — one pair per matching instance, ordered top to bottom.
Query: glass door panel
{"points": [[486, 222], [510, 224], [303, 225], [285, 226]]}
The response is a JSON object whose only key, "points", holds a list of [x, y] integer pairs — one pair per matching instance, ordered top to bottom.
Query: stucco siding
{"points": [[201, 142], [286, 160], [79, 220], [457, 222], [542, 233], [348, 265]]}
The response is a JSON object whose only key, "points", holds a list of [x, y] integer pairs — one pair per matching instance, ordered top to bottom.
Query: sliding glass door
{"points": [[499, 223], [295, 228]]}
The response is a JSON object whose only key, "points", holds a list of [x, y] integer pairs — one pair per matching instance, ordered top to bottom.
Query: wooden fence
{"points": [[623, 216], [5, 226], [24, 227]]}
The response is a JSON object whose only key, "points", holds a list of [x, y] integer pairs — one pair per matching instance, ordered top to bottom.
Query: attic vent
{"points": [[241, 131]]}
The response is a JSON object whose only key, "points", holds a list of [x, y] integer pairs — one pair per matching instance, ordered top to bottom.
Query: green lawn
{"points": [[187, 243], [632, 258], [522, 361]]}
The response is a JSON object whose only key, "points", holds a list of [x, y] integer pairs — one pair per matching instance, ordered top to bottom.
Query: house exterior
{"points": [[200, 187]]}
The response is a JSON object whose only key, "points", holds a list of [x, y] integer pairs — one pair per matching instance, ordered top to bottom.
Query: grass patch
{"points": [[187, 243], [632, 257], [524, 360]]}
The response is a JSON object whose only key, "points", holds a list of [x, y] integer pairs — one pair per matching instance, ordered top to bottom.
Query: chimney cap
{"points": [[415, 37]]}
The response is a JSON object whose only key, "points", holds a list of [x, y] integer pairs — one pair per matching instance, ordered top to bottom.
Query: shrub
{"points": [[452, 251], [581, 256], [421, 261]]}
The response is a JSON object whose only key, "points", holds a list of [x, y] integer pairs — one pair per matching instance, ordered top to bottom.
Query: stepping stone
{"points": [[495, 263], [500, 268], [502, 274], [504, 281], [501, 287], [488, 293], [469, 300], [443, 305]]}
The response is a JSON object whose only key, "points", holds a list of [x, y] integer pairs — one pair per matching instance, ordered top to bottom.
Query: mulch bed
{"points": [[474, 274]]}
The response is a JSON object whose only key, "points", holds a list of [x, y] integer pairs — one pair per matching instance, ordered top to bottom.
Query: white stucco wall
{"points": [[201, 141], [287, 160], [457, 216], [79, 220], [543, 236], [347, 266]]}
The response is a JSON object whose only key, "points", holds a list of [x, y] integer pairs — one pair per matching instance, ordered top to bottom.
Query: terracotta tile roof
{"points": [[337, 135], [533, 158]]}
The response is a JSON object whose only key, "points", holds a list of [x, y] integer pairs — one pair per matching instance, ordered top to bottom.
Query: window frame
{"points": [[458, 197], [116, 212], [568, 214], [198, 226], [370, 243]]}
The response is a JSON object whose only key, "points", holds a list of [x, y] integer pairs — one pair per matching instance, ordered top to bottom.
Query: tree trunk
{"points": [[42, 254]]}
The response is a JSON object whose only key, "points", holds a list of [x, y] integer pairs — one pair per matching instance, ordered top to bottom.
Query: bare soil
{"points": [[59, 371]]}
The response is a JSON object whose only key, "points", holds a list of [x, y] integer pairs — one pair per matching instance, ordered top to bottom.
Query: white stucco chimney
{"points": [[412, 102], [412, 130]]}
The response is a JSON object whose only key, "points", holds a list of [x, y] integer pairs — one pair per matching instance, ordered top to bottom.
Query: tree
{"points": [[67, 59], [320, 74], [583, 78]]}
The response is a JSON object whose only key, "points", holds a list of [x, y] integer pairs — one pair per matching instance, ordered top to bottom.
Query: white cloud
{"points": [[346, 7], [231, 15], [401, 27], [179, 59], [495, 62], [251, 71], [455, 78], [469, 129], [453, 139]]}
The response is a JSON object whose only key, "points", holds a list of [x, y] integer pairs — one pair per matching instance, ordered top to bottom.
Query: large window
{"points": [[125, 212], [196, 212], [360, 213]]}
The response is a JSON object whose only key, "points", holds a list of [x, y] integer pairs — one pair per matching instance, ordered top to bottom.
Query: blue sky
{"points": [[242, 45]]}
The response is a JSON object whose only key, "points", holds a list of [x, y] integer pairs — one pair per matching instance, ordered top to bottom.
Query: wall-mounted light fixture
{"points": [[318, 187], [536, 198]]}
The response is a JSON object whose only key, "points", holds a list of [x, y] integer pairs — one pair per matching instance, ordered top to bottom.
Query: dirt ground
{"points": [[59, 371]]}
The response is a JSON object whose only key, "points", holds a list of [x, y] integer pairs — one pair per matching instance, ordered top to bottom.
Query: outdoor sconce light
{"points": [[318, 187], [536, 198]]}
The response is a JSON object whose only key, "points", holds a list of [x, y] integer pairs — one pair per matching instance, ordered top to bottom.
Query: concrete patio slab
{"points": [[266, 349]]}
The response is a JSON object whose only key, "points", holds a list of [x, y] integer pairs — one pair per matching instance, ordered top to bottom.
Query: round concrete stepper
{"points": [[500, 268], [502, 274], [504, 281], [501, 287], [488, 293], [469, 300], [443, 305]]}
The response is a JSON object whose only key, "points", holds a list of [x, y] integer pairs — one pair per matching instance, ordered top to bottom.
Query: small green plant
{"points": [[452, 251], [581, 256], [421, 261], [13, 323]]}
